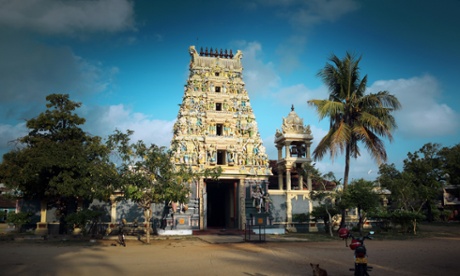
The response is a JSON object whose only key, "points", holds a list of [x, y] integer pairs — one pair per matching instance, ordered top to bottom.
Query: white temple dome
{"points": [[293, 118]]}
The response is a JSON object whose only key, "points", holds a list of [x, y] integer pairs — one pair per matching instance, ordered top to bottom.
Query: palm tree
{"points": [[354, 116]]}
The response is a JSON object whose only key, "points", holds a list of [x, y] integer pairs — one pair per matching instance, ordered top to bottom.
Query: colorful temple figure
{"points": [[258, 198], [267, 201]]}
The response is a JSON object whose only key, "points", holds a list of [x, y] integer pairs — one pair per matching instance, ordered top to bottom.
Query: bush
{"points": [[300, 217], [81, 218], [403, 218], [19, 219], [406, 219]]}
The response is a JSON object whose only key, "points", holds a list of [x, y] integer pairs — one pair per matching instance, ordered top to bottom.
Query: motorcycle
{"points": [[360, 253]]}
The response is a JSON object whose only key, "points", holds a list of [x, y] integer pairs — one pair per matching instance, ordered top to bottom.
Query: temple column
{"points": [[286, 147], [280, 152], [280, 177], [288, 179], [309, 183], [200, 193], [242, 196], [289, 197], [113, 210], [43, 211], [42, 226], [312, 226]]}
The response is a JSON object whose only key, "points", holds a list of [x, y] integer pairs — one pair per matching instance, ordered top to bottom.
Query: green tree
{"points": [[354, 116], [57, 162], [450, 162], [427, 174], [148, 176], [418, 185], [404, 193], [361, 194], [326, 199], [407, 200], [81, 218], [18, 219]]}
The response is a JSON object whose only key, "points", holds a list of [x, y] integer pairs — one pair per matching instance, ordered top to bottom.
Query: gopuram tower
{"points": [[216, 127]]}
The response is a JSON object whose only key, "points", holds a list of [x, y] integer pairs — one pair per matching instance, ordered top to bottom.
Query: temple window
{"points": [[216, 74], [217, 88], [218, 106], [219, 129], [221, 157]]}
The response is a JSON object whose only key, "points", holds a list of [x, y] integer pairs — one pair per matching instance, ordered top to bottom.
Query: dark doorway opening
{"points": [[221, 157], [221, 205]]}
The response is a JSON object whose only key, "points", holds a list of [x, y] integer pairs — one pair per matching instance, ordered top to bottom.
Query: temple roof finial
{"points": [[292, 108]]}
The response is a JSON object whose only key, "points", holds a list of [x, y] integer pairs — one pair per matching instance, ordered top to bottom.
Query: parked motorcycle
{"points": [[357, 244]]}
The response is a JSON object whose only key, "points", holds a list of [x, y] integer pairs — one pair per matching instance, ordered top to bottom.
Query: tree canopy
{"points": [[57, 160], [147, 174], [419, 185], [361, 194], [327, 207]]}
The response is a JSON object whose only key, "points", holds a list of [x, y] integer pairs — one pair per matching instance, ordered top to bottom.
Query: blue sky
{"points": [[127, 62]]}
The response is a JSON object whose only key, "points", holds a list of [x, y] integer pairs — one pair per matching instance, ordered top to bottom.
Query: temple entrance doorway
{"points": [[222, 204]]}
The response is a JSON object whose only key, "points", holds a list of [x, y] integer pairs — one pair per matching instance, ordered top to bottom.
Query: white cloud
{"points": [[320, 10], [301, 13], [302, 16], [68, 17], [290, 50], [29, 76], [259, 77], [299, 95], [422, 113], [102, 121]]}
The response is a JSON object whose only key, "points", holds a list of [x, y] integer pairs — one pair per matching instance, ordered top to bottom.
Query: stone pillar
{"points": [[286, 147], [280, 152], [280, 177], [288, 179], [300, 181], [309, 184], [200, 193], [242, 196], [113, 210], [43, 211], [288, 211], [42, 226], [312, 227]]}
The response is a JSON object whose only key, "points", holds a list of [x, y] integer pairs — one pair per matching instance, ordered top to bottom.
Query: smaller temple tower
{"points": [[294, 139]]}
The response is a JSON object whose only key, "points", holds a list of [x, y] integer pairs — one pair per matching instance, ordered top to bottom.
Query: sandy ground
{"points": [[194, 256]]}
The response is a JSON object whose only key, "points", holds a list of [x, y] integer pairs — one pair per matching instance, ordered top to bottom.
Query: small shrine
{"points": [[293, 142]]}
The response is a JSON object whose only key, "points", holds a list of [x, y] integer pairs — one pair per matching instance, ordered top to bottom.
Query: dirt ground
{"points": [[195, 256]]}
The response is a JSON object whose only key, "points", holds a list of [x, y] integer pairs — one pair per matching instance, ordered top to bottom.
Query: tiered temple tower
{"points": [[216, 126]]}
